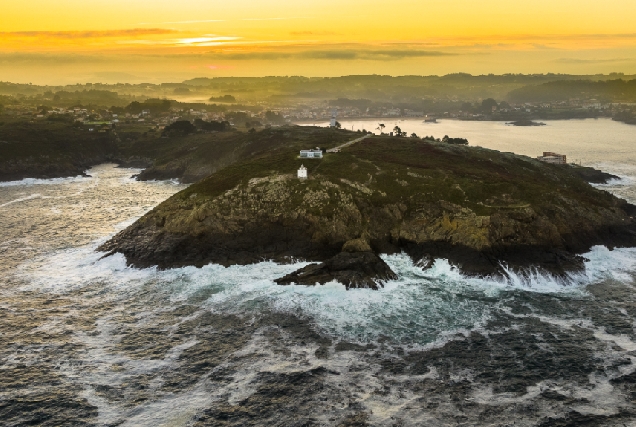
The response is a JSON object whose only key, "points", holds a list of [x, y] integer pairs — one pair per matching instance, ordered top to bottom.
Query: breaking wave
{"points": [[418, 308]]}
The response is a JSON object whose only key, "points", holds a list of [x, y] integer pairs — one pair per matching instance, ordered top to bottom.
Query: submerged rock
{"points": [[352, 269]]}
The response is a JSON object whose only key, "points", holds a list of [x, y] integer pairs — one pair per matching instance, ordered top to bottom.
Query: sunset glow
{"points": [[179, 39]]}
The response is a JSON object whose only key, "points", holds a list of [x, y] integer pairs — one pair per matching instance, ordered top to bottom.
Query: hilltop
{"points": [[62, 148], [478, 208]]}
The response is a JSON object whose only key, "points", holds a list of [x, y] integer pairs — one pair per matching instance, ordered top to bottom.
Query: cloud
{"points": [[274, 19], [196, 21], [202, 21], [313, 33], [70, 35], [205, 40], [336, 54], [11, 59], [591, 61], [118, 76]]}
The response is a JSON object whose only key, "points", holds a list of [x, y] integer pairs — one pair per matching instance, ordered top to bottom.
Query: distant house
{"points": [[311, 154], [553, 158], [302, 172]]}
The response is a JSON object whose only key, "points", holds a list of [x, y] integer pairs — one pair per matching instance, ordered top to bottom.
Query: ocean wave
{"points": [[49, 181], [420, 307]]}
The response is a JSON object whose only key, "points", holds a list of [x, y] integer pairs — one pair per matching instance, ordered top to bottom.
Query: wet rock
{"points": [[592, 175], [352, 269]]}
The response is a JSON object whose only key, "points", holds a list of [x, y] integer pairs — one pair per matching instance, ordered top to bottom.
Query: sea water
{"points": [[85, 339]]}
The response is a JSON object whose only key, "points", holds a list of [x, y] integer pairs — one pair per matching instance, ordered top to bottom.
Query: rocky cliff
{"points": [[479, 208]]}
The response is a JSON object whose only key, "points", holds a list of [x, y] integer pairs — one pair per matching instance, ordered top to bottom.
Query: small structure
{"points": [[332, 122], [311, 154], [553, 158], [302, 172]]}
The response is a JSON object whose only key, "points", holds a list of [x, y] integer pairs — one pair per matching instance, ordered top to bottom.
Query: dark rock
{"points": [[525, 123], [136, 162], [592, 175], [354, 270]]}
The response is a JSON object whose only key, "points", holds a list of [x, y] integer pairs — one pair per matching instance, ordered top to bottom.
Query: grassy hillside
{"points": [[196, 156], [406, 170]]}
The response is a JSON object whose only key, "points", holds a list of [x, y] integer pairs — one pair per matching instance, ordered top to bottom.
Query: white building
{"points": [[332, 122], [311, 154], [554, 158], [302, 172]]}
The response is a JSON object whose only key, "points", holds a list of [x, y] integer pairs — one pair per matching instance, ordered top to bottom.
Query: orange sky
{"points": [[152, 40]]}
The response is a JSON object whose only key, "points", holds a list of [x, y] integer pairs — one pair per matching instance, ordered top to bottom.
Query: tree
{"points": [[224, 98], [488, 104], [134, 107], [237, 116], [274, 117], [212, 125], [338, 125], [183, 127], [380, 127], [397, 131], [414, 135], [456, 141]]}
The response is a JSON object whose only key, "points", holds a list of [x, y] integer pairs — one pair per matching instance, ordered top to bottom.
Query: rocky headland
{"points": [[478, 208]]}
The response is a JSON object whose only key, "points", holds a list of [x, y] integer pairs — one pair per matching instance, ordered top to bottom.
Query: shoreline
{"points": [[441, 120]]}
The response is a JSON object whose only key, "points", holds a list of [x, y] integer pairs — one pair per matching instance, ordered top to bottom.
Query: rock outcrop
{"points": [[352, 269]]}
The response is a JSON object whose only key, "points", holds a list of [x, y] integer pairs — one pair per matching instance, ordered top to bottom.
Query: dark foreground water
{"points": [[88, 341]]}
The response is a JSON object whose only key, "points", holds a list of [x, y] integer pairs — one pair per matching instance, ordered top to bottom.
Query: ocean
{"points": [[86, 340]]}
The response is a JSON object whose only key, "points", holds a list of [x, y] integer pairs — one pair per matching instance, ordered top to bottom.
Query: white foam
{"points": [[50, 181], [22, 199], [421, 306]]}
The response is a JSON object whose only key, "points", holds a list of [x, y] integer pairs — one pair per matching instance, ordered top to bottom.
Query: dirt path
{"points": [[346, 144]]}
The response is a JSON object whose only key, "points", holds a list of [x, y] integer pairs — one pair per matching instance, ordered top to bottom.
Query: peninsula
{"points": [[480, 209]]}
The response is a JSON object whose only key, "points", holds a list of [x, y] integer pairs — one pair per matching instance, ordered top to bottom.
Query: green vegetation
{"points": [[610, 90], [224, 98], [50, 148], [195, 156], [414, 172]]}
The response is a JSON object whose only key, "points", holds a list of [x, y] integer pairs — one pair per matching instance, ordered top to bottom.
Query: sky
{"points": [[68, 41]]}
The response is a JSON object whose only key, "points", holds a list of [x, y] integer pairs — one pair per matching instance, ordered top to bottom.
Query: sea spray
{"points": [[417, 308]]}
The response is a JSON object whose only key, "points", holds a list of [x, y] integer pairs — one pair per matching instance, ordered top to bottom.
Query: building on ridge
{"points": [[332, 122], [311, 154], [553, 158]]}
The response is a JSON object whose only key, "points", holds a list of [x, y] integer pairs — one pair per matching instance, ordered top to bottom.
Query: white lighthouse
{"points": [[332, 123], [302, 172]]}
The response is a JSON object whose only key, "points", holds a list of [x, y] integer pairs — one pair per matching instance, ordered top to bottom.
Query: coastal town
{"points": [[259, 102]]}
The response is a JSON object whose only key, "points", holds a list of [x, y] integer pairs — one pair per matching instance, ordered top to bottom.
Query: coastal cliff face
{"points": [[478, 208]]}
